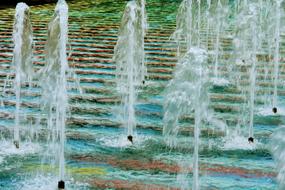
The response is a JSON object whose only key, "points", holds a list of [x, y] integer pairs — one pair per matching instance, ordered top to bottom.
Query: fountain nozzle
{"points": [[274, 110], [130, 138], [250, 139], [17, 144], [61, 185]]}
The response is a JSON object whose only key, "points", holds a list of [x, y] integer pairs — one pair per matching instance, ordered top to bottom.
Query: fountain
{"points": [[189, 24], [273, 28], [247, 45], [22, 59], [129, 59], [253, 59], [54, 85], [187, 92]]}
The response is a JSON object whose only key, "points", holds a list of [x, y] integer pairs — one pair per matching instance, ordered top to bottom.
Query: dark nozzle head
{"points": [[143, 82], [274, 110], [130, 138], [250, 139], [17, 144], [61, 185]]}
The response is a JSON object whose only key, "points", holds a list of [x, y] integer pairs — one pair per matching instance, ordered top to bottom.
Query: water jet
{"points": [[22, 59], [130, 67]]}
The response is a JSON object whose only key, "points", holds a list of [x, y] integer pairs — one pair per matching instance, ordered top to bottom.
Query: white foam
{"points": [[240, 62], [220, 81], [267, 111], [122, 141], [237, 142], [8, 148], [48, 182], [39, 183]]}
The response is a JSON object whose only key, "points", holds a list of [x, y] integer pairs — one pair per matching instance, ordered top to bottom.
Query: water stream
{"points": [[22, 59], [129, 59]]}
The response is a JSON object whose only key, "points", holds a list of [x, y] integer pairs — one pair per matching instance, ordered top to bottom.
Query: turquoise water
{"points": [[97, 153]]}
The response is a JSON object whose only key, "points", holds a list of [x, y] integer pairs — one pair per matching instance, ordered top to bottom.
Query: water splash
{"points": [[22, 58], [129, 59], [267, 111], [236, 141], [122, 142], [27, 147], [46, 182]]}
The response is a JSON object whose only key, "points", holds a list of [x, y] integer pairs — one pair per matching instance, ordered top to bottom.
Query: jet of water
{"points": [[184, 27], [218, 32], [247, 45], [276, 50], [22, 58], [129, 58], [54, 83], [188, 92]]}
